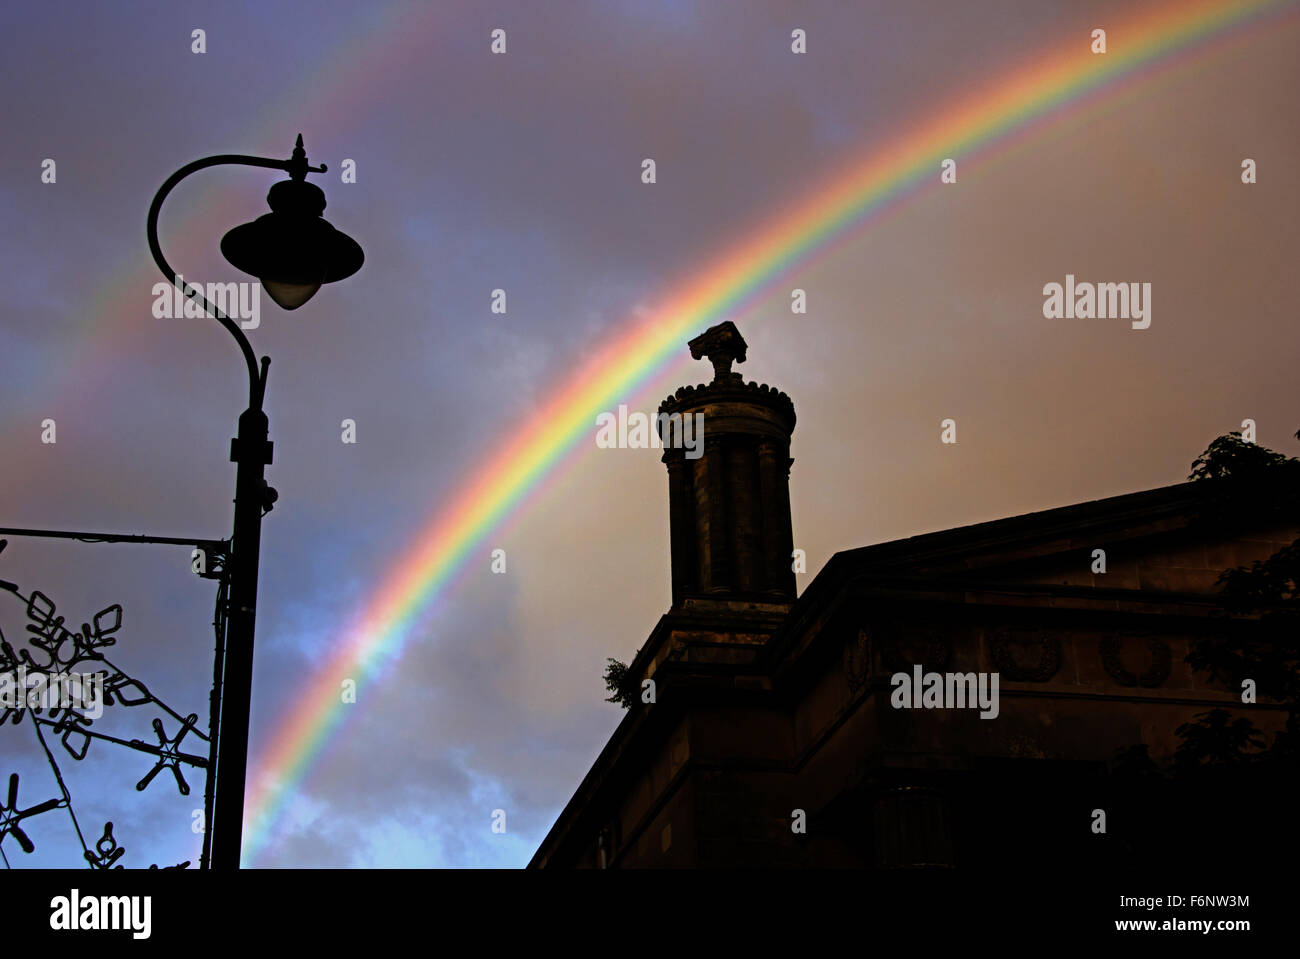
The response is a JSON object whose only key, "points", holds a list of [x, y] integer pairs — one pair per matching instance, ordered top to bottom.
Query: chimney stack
{"points": [[729, 508]]}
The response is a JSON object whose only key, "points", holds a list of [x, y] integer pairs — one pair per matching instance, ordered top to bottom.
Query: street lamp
{"points": [[293, 251]]}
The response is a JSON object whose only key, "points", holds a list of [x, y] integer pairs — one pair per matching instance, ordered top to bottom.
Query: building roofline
{"points": [[1152, 509]]}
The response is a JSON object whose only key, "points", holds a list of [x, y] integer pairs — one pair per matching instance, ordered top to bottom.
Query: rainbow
{"points": [[1012, 107], [116, 325]]}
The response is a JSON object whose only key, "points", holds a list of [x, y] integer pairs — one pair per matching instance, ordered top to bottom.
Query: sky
{"points": [[522, 171]]}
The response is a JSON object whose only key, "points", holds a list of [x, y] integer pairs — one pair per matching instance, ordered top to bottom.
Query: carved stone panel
{"points": [[905, 645], [1025, 655], [1136, 659]]}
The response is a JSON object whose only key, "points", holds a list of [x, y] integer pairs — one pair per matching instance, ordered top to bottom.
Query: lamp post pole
{"points": [[328, 256], [251, 453]]}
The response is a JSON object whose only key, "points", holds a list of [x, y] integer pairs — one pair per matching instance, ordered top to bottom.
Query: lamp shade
{"points": [[293, 250]]}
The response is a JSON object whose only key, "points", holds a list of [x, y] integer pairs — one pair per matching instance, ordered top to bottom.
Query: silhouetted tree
{"points": [[1230, 455], [1269, 588], [616, 681], [1217, 739], [1222, 766]]}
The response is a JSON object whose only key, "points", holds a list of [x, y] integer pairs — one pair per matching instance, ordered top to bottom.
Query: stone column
{"points": [[746, 522], [681, 524], [778, 536], [716, 537]]}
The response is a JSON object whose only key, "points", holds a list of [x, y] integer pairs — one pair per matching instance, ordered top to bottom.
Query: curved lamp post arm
{"points": [[297, 168], [251, 452]]}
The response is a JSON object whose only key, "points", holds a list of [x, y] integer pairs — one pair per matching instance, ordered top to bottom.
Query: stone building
{"points": [[772, 740]]}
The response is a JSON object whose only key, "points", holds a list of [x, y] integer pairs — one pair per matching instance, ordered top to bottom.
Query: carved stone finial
{"points": [[723, 345]]}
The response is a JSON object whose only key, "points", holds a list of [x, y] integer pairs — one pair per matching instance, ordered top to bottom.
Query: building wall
{"points": [[1083, 672]]}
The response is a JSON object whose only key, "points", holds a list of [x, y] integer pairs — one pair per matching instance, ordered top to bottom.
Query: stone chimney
{"points": [[729, 507]]}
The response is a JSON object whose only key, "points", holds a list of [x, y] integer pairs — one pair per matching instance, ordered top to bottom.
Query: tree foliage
{"points": [[1230, 455], [1268, 589], [617, 683], [1224, 765]]}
